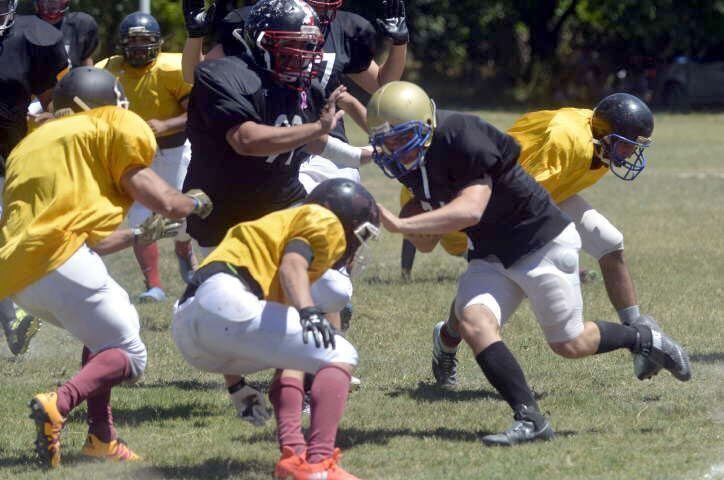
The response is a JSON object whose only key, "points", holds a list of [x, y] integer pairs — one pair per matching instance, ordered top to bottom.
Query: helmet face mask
{"points": [[52, 11], [326, 11], [7, 15], [140, 39], [400, 149], [616, 150], [357, 263]]}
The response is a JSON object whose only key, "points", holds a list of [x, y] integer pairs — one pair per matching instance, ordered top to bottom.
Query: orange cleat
{"points": [[48, 424], [115, 450], [288, 464], [325, 470]]}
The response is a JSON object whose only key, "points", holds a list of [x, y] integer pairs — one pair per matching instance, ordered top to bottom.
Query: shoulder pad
{"points": [[81, 20], [353, 24], [38, 32], [169, 62], [230, 74]]}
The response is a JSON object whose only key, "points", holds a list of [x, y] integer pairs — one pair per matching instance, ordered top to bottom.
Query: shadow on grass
{"points": [[442, 277], [715, 357], [182, 385], [429, 392], [153, 413], [350, 437], [213, 468]]}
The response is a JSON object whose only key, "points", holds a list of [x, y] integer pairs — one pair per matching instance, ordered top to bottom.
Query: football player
{"points": [[80, 30], [31, 57], [157, 92], [250, 116], [467, 176], [69, 185], [251, 308]]}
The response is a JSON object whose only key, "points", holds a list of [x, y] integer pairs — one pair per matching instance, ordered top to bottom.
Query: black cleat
{"points": [[662, 350], [444, 364], [644, 368], [528, 426]]}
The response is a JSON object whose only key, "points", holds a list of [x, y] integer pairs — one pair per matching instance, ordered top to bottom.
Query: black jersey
{"points": [[80, 35], [349, 47], [31, 56], [226, 93], [520, 217]]}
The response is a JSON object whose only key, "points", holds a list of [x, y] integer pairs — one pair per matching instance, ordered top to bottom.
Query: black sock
{"points": [[615, 336], [505, 375]]}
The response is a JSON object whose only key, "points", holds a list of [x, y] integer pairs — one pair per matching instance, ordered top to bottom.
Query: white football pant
{"points": [[317, 169], [548, 277], [226, 329]]}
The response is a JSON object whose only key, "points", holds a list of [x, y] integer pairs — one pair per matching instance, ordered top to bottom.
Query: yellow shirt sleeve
{"points": [[133, 144]]}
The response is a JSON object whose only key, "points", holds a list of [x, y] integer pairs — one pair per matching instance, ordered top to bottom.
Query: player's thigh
{"points": [[598, 235], [549, 277], [485, 283], [332, 291], [81, 297]]}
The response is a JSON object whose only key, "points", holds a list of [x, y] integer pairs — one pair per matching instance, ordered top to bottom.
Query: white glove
{"points": [[155, 227], [250, 405]]}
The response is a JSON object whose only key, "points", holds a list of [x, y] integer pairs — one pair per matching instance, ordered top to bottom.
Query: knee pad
{"points": [[598, 236], [332, 291], [345, 352], [137, 356]]}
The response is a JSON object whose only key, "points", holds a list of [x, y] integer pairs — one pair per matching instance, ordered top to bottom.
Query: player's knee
{"points": [[599, 236], [477, 319], [565, 349], [345, 353], [137, 357]]}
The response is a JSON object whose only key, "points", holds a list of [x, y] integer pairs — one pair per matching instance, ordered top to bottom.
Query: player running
{"points": [[158, 93], [467, 177], [69, 185], [251, 308]]}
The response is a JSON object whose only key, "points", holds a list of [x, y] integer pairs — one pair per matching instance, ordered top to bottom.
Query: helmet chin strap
{"points": [[599, 152]]}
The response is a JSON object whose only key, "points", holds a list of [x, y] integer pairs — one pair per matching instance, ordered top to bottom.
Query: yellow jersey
{"points": [[154, 91], [557, 150], [63, 189], [258, 246]]}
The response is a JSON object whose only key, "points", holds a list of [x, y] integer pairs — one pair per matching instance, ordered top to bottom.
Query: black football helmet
{"points": [[52, 11], [326, 11], [7, 15], [284, 37], [140, 39], [85, 88], [622, 125], [357, 211]]}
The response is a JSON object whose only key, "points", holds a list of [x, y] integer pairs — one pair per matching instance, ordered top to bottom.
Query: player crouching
{"points": [[69, 185], [250, 308]]}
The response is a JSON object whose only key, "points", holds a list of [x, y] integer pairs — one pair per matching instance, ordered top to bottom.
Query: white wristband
{"points": [[342, 154]]}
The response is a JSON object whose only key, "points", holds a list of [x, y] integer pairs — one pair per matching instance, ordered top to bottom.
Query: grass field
{"points": [[397, 426]]}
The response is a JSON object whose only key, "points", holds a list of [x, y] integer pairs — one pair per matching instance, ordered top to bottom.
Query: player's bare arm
{"points": [[354, 109], [170, 125], [255, 139], [147, 188], [464, 211], [154, 228], [294, 279]]}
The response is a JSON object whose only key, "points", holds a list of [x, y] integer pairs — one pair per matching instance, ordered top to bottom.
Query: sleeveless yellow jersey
{"points": [[154, 91], [557, 150], [63, 189], [258, 246]]}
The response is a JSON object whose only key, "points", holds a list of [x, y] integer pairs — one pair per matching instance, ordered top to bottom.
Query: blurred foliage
{"points": [[508, 50]]}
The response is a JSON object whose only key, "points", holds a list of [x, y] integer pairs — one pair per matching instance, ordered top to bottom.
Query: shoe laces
{"points": [[446, 361], [122, 451]]}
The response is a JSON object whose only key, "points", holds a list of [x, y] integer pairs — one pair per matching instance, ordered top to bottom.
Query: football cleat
{"points": [[186, 266], [587, 276], [153, 294], [345, 316], [20, 330], [662, 350], [444, 364], [645, 368], [354, 383], [48, 424], [528, 426], [116, 450], [288, 464], [328, 469]]}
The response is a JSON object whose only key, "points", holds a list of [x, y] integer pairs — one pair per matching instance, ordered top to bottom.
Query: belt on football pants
{"points": [[172, 141], [211, 269]]}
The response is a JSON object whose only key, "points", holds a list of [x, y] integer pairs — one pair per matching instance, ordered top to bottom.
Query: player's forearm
{"points": [[191, 57], [394, 66], [354, 109], [176, 124], [254, 139], [151, 191], [447, 219], [116, 241], [294, 280]]}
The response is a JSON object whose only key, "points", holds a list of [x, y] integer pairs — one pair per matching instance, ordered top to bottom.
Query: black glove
{"points": [[198, 21], [391, 21], [312, 320]]}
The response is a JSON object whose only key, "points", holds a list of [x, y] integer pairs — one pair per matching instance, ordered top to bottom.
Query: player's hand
{"points": [[198, 20], [392, 21], [330, 116], [41, 118], [158, 127], [367, 154], [203, 205], [389, 220], [154, 228], [313, 321], [250, 405]]}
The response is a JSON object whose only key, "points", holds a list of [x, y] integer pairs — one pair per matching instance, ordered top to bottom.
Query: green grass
{"points": [[610, 425]]}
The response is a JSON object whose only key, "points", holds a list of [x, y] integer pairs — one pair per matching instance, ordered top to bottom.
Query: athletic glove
{"points": [[198, 21], [392, 22], [203, 206], [155, 227], [313, 321], [249, 403]]}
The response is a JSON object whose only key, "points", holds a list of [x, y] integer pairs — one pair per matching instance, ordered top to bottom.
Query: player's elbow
{"points": [[470, 216]]}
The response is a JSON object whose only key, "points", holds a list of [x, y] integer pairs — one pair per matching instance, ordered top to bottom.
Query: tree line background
{"points": [[506, 52]]}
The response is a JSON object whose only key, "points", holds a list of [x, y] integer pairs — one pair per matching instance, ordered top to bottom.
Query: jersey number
{"points": [[327, 67], [283, 121]]}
